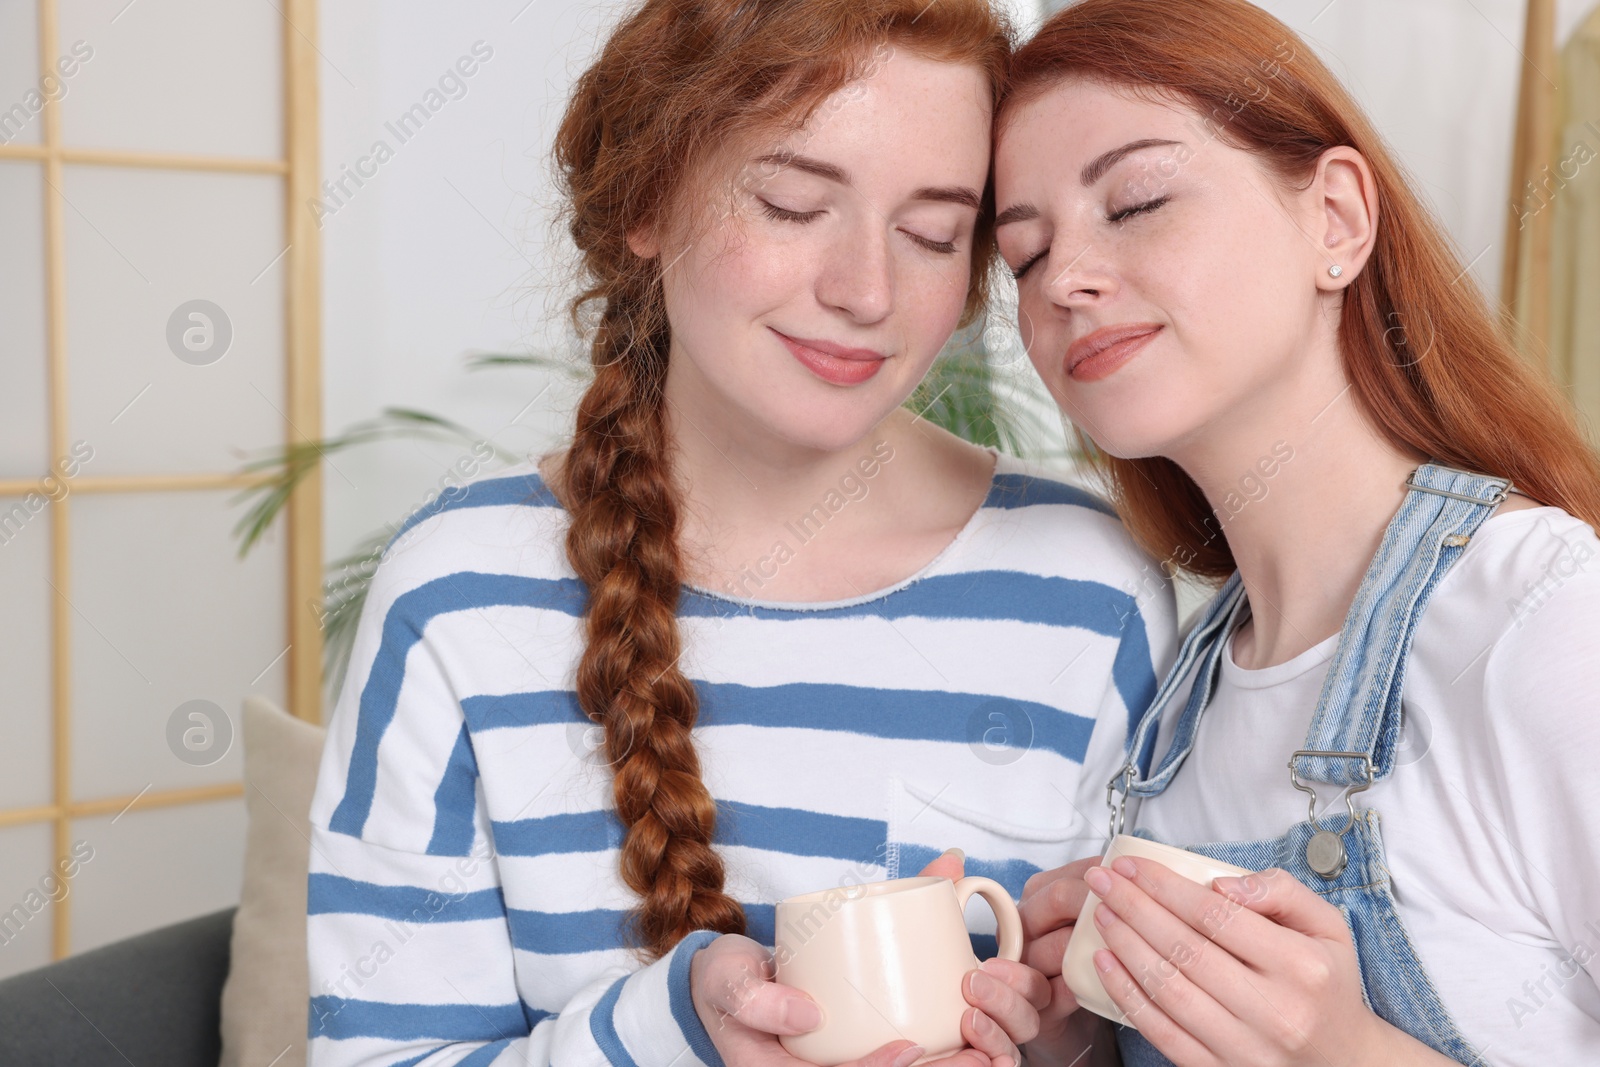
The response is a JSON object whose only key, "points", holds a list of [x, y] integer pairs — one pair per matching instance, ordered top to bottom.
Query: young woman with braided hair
{"points": [[757, 630]]}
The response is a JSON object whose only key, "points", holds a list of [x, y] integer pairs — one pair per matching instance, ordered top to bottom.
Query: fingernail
{"points": [[958, 854], [1124, 866], [1098, 880], [1104, 916], [1103, 961], [982, 985], [801, 1015], [983, 1025], [909, 1056]]}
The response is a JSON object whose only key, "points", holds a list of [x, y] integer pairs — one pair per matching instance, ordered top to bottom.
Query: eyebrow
{"points": [[1097, 167], [1091, 173], [943, 194]]}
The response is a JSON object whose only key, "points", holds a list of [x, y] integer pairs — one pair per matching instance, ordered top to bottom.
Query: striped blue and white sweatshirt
{"points": [[465, 905]]}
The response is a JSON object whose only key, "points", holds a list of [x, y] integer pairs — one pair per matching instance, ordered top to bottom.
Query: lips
{"points": [[1100, 353], [834, 363]]}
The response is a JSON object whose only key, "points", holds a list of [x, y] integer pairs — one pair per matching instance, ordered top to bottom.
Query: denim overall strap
{"points": [[1200, 646], [1356, 728]]}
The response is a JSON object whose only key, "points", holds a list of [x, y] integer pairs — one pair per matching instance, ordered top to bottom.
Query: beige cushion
{"points": [[264, 1002]]}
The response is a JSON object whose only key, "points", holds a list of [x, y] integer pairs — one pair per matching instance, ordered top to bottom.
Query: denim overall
{"points": [[1351, 744]]}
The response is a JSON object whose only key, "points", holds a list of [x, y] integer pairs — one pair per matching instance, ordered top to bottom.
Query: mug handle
{"points": [[1007, 920]]}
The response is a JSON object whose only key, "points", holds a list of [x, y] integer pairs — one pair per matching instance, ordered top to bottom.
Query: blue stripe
{"points": [[526, 490], [1025, 490], [995, 596], [1133, 671], [499, 711], [900, 714], [455, 801], [583, 831], [793, 831], [797, 832], [330, 894], [760, 922], [563, 933], [681, 999], [339, 1018], [603, 1025], [484, 1056], [414, 1060]]}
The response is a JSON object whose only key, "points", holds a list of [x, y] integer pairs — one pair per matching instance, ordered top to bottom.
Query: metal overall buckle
{"points": [[1499, 496], [1119, 806], [1325, 852]]}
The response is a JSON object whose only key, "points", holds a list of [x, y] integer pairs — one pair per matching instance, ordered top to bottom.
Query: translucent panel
{"points": [[175, 76], [21, 93], [174, 317], [23, 400], [170, 631], [25, 651], [155, 867], [28, 891]]}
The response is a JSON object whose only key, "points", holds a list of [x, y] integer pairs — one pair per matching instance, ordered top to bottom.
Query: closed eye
{"points": [[1137, 209], [773, 211], [945, 247], [1027, 264]]}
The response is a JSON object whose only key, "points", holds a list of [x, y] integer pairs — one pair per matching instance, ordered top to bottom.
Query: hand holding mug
{"points": [[1051, 903], [745, 1010]]}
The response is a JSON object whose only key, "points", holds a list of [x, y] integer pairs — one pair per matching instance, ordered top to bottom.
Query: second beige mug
{"points": [[885, 961], [1077, 966]]}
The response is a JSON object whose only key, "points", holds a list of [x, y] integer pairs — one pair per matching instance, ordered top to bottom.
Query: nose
{"points": [[1077, 274], [858, 277]]}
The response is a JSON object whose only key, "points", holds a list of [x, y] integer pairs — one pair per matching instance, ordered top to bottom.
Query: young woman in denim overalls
{"points": [[1390, 708]]}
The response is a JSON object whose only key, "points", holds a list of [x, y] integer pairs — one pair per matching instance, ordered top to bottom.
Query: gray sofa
{"points": [[149, 1001]]}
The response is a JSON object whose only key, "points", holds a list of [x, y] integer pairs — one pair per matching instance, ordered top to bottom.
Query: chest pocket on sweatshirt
{"points": [[1007, 843]]}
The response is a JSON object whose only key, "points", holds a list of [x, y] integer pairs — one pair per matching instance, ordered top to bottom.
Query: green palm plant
{"points": [[964, 393]]}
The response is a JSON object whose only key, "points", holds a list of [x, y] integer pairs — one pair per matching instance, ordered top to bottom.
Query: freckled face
{"points": [[839, 265], [1164, 277]]}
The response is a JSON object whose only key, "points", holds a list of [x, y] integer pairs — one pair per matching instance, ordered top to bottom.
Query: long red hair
{"points": [[677, 84], [1428, 363]]}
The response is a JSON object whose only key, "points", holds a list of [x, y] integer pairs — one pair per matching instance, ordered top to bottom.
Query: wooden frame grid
{"points": [[302, 360]]}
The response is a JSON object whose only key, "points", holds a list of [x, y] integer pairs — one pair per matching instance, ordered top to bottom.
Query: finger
{"points": [[951, 864], [1073, 870], [1277, 895], [1054, 903], [1044, 954], [1029, 983], [1062, 1004], [1189, 1005], [765, 1006], [1015, 1013], [988, 1037], [1171, 1040], [894, 1054], [967, 1057]]}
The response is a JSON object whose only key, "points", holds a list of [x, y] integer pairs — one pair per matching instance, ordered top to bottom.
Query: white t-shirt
{"points": [[1491, 819]]}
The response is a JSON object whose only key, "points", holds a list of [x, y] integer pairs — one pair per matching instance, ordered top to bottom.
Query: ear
{"points": [[1348, 215], [644, 243]]}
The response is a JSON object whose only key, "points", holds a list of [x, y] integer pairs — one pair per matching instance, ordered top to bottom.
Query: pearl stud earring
{"points": [[1336, 270]]}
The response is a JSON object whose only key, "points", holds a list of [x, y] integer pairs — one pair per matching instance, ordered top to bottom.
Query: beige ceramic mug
{"points": [[884, 961], [1077, 966]]}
